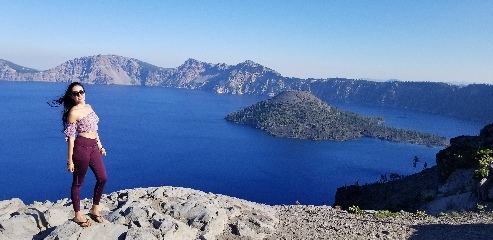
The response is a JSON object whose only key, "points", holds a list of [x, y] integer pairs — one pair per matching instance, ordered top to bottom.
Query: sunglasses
{"points": [[78, 93]]}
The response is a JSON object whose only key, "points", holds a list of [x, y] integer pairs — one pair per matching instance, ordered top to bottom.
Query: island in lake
{"points": [[300, 114]]}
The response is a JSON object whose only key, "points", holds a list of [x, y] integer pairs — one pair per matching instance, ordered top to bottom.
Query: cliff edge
{"points": [[462, 180], [144, 213], [181, 213]]}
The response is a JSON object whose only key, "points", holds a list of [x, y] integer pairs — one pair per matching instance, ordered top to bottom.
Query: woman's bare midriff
{"points": [[91, 135]]}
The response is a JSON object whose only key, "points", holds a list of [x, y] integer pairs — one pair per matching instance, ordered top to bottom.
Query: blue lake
{"points": [[161, 136]]}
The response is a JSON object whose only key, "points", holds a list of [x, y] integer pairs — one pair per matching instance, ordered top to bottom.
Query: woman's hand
{"points": [[102, 151], [70, 167]]}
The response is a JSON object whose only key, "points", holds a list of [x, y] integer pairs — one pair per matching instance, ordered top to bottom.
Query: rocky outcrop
{"points": [[300, 114], [463, 152], [461, 180], [422, 191], [408, 194], [146, 213], [185, 214]]}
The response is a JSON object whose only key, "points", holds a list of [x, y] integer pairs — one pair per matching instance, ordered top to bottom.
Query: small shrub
{"points": [[484, 158], [395, 176], [383, 178], [480, 207], [356, 210], [386, 214], [421, 214], [442, 214], [455, 214]]}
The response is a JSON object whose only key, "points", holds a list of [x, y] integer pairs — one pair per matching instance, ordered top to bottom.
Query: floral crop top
{"points": [[89, 123]]}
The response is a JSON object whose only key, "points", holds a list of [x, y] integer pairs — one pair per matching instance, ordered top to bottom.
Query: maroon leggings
{"points": [[86, 154]]}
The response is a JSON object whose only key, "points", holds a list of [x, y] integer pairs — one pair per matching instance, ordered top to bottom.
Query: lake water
{"points": [[161, 136]]}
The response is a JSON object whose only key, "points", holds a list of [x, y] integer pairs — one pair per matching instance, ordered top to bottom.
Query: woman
{"points": [[84, 150]]}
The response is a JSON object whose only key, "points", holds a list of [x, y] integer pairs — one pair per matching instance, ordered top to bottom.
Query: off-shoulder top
{"points": [[88, 123]]}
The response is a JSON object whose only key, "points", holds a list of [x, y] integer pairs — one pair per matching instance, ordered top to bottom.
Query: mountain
{"points": [[100, 69], [9, 70], [244, 78], [471, 102], [299, 114]]}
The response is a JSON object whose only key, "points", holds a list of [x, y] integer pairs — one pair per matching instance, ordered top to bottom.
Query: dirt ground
{"points": [[324, 222]]}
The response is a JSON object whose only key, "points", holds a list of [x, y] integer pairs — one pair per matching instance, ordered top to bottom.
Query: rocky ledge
{"points": [[147, 213], [180, 213]]}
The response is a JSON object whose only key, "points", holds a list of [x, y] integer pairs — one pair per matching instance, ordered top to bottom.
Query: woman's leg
{"points": [[81, 163], [97, 166]]}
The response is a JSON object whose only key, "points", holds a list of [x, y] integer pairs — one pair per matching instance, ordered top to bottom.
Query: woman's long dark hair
{"points": [[67, 102]]}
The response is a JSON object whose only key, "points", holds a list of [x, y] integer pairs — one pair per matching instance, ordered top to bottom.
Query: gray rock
{"points": [[460, 181], [483, 189], [459, 202], [7, 207], [143, 213], [180, 213], [57, 216], [20, 227], [173, 229], [244, 230], [102, 231], [140, 234]]}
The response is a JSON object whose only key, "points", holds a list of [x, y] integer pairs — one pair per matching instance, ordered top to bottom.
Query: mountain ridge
{"points": [[471, 102]]}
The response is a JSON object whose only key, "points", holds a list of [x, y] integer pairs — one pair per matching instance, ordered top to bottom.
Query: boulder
{"points": [[460, 181], [458, 203], [7, 207], [57, 216], [20, 226], [173, 229], [100, 231], [140, 234]]}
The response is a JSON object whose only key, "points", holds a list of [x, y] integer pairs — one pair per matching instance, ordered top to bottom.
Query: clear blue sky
{"points": [[409, 40]]}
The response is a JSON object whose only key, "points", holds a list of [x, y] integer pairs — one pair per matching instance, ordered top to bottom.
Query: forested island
{"points": [[299, 114]]}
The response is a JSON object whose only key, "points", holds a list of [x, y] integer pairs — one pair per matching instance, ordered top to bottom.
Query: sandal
{"points": [[96, 218], [84, 224]]}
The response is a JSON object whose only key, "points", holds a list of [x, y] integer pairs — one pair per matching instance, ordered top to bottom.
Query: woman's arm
{"points": [[70, 143], [100, 145], [70, 161]]}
